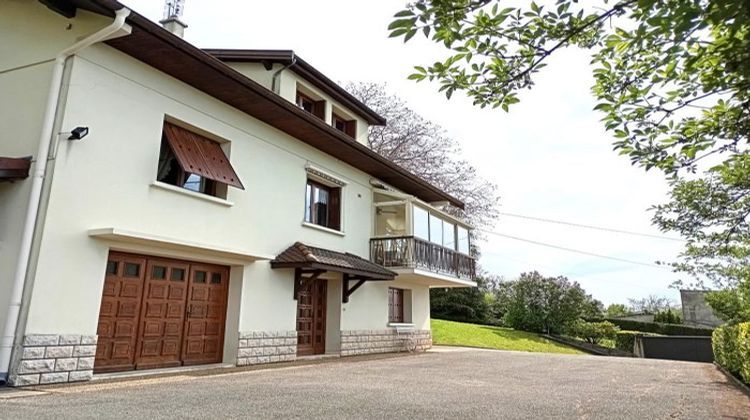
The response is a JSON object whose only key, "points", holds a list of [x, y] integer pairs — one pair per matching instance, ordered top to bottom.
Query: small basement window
{"points": [[317, 108], [347, 126], [194, 162], [323, 205]]}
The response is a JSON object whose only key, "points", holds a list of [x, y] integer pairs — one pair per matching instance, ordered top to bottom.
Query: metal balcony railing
{"points": [[412, 252]]}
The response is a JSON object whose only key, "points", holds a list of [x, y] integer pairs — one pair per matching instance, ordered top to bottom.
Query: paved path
{"points": [[446, 383]]}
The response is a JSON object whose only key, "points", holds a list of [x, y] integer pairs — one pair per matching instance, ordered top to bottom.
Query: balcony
{"points": [[421, 242], [414, 253]]}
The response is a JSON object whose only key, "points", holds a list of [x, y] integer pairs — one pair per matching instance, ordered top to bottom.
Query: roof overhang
{"points": [[166, 52], [305, 70], [14, 169]]}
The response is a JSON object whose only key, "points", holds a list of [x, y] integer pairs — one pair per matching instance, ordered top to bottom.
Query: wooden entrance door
{"points": [[119, 312], [160, 312], [311, 318]]}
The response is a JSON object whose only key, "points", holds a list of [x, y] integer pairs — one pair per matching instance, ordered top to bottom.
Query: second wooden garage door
{"points": [[159, 312]]}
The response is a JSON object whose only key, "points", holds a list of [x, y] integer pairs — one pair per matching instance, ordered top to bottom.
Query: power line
{"points": [[580, 225], [577, 251]]}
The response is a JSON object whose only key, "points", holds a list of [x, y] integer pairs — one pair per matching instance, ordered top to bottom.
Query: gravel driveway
{"points": [[444, 383]]}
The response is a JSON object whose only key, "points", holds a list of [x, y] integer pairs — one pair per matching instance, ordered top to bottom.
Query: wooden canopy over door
{"points": [[159, 312]]}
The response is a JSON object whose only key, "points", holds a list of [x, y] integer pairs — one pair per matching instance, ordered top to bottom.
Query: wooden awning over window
{"points": [[201, 156], [14, 169], [311, 262]]}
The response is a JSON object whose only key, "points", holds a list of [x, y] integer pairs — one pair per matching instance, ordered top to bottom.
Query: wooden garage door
{"points": [[160, 312]]}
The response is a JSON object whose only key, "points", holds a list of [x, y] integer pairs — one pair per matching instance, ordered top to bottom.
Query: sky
{"points": [[550, 155]]}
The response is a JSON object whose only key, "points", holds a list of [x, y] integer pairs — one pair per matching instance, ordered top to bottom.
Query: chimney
{"points": [[172, 12]]}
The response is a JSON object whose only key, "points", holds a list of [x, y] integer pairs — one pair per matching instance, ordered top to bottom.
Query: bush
{"points": [[657, 328], [593, 332], [625, 340], [731, 345]]}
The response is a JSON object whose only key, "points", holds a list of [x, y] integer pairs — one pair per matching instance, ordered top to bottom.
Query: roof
{"points": [[164, 51], [304, 69], [300, 255]]}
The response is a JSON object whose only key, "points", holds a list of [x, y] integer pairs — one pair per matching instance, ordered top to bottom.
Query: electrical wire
{"points": [[602, 228], [577, 251]]}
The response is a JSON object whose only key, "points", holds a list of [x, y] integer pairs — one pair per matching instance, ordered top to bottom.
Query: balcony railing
{"points": [[412, 252]]}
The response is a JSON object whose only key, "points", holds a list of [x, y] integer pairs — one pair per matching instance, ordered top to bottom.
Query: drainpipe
{"points": [[275, 80], [37, 180]]}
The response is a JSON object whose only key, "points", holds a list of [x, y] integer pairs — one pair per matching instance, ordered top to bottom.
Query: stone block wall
{"points": [[355, 342], [258, 347], [51, 359]]}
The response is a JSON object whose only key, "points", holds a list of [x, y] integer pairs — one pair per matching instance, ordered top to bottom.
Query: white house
{"points": [[184, 207]]}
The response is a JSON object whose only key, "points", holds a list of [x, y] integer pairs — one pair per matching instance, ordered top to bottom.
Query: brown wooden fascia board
{"points": [[318, 266]]}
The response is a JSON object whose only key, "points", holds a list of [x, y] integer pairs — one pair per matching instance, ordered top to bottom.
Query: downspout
{"points": [[275, 79], [37, 181]]}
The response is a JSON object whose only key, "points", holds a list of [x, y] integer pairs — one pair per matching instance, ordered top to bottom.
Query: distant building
{"points": [[695, 310]]}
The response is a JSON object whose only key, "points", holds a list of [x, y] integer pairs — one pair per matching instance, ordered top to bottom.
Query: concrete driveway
{"points": [[444, 383]]}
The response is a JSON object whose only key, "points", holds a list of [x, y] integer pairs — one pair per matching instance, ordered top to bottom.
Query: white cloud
{"points": [[549, 155]]}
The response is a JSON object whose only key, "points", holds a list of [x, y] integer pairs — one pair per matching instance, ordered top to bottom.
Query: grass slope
{"points": [[473, 335]]}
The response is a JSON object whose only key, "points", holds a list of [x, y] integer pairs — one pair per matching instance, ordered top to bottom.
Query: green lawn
{"points": [[472, 335]]}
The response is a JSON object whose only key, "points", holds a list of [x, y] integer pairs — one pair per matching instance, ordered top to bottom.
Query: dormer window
{"points": [[317, 108], [347, 126], [194, 162]]}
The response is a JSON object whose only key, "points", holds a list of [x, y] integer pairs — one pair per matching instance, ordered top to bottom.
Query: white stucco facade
{"points": [[101, 193]]}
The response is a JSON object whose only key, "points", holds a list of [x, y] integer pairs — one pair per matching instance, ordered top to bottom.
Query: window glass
{"points": [[390, 220], [421, 223], [436, 229], [449, 235], [463, 240]]}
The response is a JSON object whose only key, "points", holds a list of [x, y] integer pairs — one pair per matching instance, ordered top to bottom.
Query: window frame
{"points": [[318, 107], [349, 125], [333, 218], [396, 313]]}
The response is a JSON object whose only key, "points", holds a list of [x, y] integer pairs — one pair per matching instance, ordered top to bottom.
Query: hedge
{"points": [[657, 328], [625, 340], [731, 344]]}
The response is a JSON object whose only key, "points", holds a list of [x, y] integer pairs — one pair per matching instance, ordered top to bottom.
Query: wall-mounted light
{"points": [[78, 133]]}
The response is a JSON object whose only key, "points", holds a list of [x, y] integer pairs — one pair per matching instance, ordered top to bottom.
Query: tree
{"points": [[671, 75], [671, 78], [424, 148], [463, 304], [542, 304], [651, 304], [616, 309], [668, 316], [593, 332]]}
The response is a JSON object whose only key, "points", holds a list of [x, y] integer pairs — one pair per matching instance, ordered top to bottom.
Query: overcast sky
{"points": [[550, 156]]}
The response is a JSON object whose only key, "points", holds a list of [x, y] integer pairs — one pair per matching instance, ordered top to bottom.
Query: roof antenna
{"points": [[173, 10]]}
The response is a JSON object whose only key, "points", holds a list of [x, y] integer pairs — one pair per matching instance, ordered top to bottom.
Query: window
{"points": [[310, 105], [349, 127], [193, 162], [323, 205], [390, 220], [421, 223], [436, 229], [449, 235], [463, 240], [395, 305]]}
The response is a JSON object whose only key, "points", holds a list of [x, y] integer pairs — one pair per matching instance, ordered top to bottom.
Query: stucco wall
{"points": [[105, 181]]}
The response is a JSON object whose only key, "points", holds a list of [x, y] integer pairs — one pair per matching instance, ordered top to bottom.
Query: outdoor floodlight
{"points": [[78, 133]]}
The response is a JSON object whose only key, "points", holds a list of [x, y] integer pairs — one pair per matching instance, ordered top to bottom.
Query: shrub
{"points": [[657, 328], [593, 332], [625, 340], [731, 345]]}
